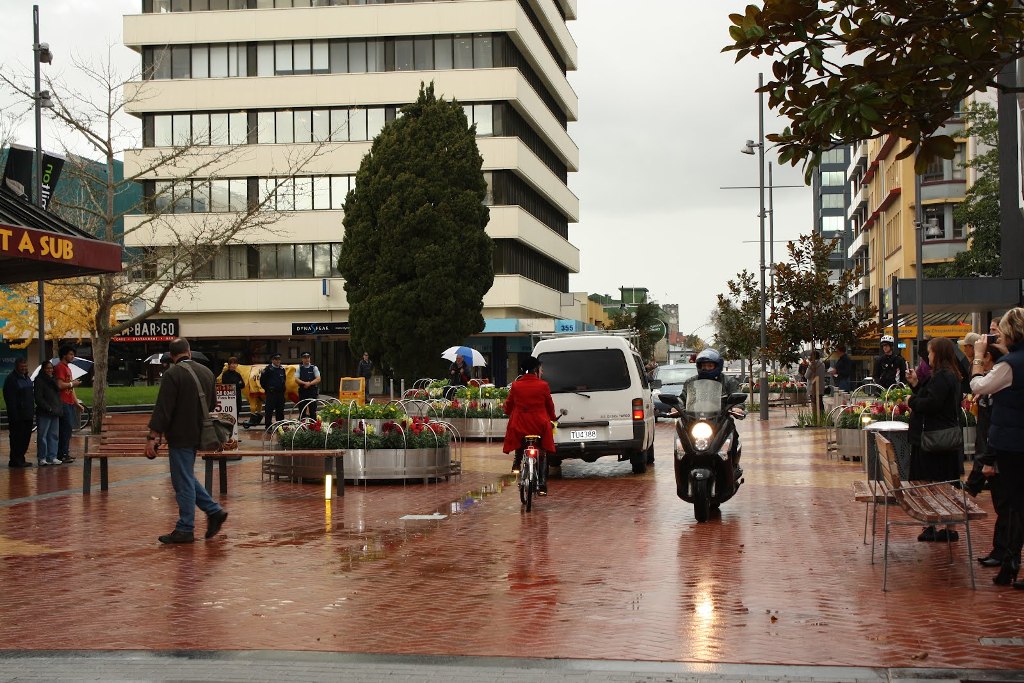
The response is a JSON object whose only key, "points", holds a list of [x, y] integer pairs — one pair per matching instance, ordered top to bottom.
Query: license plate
{"points": [[583, 434]]}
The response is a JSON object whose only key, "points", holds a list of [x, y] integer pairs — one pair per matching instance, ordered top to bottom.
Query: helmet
{"points": [[887, 339], [709, 356]]}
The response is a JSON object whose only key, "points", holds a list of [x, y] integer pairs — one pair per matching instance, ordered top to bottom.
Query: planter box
{"points": [[850, 444], [397, 463]]}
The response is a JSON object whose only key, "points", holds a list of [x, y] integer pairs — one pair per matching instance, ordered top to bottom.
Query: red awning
{"points": [[27, 255]]}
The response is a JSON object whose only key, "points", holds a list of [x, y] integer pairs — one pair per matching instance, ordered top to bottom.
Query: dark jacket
{"points": [[844, 368], [889, 368], [365, 369], [458, 376], [273, 378], [47, 396], [19, 397], [937, 401], [178, 413], [1006, 430]]}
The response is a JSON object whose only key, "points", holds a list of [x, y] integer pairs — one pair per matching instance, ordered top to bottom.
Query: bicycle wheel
{"points": [[84, 418], [524, 480]]}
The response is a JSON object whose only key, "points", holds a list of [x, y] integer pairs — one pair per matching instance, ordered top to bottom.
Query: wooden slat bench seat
{"points": [[124, 436], [942, 503]]}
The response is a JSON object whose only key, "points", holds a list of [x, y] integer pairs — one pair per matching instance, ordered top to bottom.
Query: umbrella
{"points": [[473, 357], [158, 358], [84, 364], [76, 370]]}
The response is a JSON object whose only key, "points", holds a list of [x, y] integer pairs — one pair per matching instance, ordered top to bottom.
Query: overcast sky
{"points": [[662, 117]]}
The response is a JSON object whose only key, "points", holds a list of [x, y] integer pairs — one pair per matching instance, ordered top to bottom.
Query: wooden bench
{"points": [[124, 436], [942, 503]]}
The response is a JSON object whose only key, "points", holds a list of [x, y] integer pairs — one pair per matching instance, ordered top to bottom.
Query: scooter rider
{"points": [[709, 366], [889, 367], [531, 411]]}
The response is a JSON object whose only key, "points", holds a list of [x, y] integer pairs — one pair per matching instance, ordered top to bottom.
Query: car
{"points": [[671, 378], [602, 396]]}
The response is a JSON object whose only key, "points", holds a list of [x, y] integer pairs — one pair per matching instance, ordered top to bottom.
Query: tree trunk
{"points": [[101, 361]]}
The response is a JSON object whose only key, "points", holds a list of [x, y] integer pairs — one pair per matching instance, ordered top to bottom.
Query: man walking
{"points": [[843, 369], [365, 370], [62, 373], [272, 379], [309, 379], [19, 395], [177, 419]]}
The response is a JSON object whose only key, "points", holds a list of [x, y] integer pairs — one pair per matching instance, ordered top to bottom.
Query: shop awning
{"points": [[37, 245]]}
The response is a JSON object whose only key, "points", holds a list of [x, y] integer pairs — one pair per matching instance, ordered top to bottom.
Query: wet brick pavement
{"points": [[611, 566]]}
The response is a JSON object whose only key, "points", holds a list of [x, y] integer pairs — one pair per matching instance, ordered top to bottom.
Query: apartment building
{"points": [[277, 77], [830, 198]]}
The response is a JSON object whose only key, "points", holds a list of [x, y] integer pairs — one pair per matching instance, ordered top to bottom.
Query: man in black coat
{"points": [[272, 379], [19, 395]]}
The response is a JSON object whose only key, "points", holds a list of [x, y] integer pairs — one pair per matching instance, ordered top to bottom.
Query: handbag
{"points": [[217, 428], [942, 440]]}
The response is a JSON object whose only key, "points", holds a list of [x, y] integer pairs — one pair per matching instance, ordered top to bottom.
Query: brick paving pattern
{"points": [[611, 566]]}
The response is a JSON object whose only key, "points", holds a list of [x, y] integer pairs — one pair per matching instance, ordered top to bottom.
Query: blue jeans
{"points": [[67, 421], [47, 434], [189, 493]]}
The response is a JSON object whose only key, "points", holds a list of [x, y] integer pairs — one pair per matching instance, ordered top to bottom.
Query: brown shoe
{"points": [[214, 522], [177, 536]]}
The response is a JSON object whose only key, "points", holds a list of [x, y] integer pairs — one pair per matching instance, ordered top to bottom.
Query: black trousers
{"points": [[309, 406], [273, 407], [21, 434], [1011, 474]]}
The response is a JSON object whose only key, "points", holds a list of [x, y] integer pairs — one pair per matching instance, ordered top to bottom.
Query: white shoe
{"points": [[54, 462], [43, 463]]}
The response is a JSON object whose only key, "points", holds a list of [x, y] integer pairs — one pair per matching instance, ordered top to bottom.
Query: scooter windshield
{"points": [[704, 397]]}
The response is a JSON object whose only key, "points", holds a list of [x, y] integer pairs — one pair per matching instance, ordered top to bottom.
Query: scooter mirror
{"points": [[669, 399], [735, 399]]}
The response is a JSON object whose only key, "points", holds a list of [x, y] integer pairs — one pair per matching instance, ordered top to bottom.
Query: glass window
{"points": [[300, 3], [264, 4], [179, 5], [200, 5], [219, 5], [161, 6], [443, 52], [463, 52], [424, 54], [403, 55], [483, 55], [357, 56], [375, 56], [282, 57], [303, 57], [339, 57], [264, 59], [321, 59], [238, 60], [181, 61], [200, 61], [161, 62], [483, 117], [374, 122], [356, 124], [303, 125], [321, 125], [339, 125], [285, 126], [265, 127], [218, 128], [239, 128], [182, 129], [201, 129], [162, 130], [958, 163], [934, 171], [833, 178], [339, 189], [321, 193], [285, 194], [303, 194], [162, 196], [182, 196], [200, 196], [219, 196], [239, 197], [267, 197], [832, 201], [832, 223], [335, 258], [303, 260], [321, 260], [238, 261], [268, 261], [286, 261]]}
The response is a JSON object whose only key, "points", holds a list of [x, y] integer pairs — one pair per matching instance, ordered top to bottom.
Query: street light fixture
{"points": [[748, 148], [926, 229]]}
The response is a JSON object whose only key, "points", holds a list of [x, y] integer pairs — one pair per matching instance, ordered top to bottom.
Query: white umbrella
{"points": [[473, 357], [158, 358], [76, 370]]}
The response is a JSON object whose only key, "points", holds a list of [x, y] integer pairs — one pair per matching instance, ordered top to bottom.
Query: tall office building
{"points": [[278, 77], [831, 197]]}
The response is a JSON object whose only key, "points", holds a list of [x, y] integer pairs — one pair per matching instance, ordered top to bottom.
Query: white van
{"points": [[602, 395]]}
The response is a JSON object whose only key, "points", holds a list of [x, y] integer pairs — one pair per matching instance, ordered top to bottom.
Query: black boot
{"points": [[1007, 573]]}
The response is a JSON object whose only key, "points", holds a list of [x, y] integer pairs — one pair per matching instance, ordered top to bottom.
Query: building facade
{"points": [[275, 78], [830, 200]]}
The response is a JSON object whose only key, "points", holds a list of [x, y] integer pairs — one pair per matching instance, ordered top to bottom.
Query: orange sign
{"points": [[40, 245]]}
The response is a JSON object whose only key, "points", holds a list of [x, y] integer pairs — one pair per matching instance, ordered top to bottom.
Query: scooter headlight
{"points": [[701, 431]]}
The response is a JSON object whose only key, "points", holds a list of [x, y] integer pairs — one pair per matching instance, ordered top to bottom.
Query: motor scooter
{"points": [[707, 449]]}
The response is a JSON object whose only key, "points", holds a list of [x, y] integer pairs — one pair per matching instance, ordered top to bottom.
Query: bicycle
{"points": [[528, 480]]}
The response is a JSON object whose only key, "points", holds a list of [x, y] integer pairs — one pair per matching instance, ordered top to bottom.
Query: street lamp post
{"points": [[40, 55], [749, 149]]}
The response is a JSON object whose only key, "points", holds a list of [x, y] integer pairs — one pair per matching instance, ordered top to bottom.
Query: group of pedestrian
{"points": [[49, 404]]}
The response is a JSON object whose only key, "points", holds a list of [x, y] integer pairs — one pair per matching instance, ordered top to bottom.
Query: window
{"points": [[463, 51], [424, 54], [403, 55], [339, 56], [357, 56], [303, 57], [443, 57], [483, 57], [282, 58], [265, 59], [321, 59], [181, 61], [218, 61], [161, 62], [200, 62], [483, 118], [374, 122], [357, 124], [321, 125], [339, 125], [303, 126], [265, 127], [285, 127], [238, 128], [182, 129], [201, 129], [162, 136], [959, 155], [834, 156], [934, 171], [833, 178], [339, 190], [321, 193], [239, 194], [303, 194], [220, 195], [832, 201], [832, 223], [303, 260], [322, 260]]}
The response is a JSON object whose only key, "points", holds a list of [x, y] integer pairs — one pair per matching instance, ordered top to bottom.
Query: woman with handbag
{"points": [[1005, 384], [936, 437]]}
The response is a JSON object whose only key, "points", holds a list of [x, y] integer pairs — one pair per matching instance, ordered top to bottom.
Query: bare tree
{"points": [[181, 246]]}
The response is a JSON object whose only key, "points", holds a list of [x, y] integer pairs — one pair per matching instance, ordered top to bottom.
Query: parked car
{"points": [[671, 378]]}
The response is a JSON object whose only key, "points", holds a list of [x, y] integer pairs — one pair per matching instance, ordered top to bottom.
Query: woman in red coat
{"points": [[531, 412]]}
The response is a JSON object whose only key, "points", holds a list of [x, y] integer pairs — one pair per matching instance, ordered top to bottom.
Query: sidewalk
{"points": [[611, 568]]}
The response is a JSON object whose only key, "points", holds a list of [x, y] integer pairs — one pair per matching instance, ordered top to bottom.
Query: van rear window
{"points": [[585, 370]]}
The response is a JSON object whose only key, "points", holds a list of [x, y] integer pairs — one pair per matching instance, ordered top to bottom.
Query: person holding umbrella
{"points": [[458, 373], [66, 383]]}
